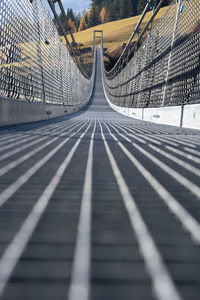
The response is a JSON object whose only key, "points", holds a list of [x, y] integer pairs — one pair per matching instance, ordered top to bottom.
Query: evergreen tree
{"points": [[97, 3], [133, 5], [141, 5], [116, 9], [124, 9], [113, 13], [89, 14], [93, 14], [71, 15], [77, 20]]}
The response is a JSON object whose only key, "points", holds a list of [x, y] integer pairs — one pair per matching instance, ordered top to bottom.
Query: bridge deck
{"points": [[99, 203]]}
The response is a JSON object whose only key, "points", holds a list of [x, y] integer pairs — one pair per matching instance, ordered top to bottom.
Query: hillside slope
{"points": [[115, 33]]}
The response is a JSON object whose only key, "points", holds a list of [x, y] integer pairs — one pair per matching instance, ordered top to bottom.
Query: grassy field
{"points": [[115, 33]]}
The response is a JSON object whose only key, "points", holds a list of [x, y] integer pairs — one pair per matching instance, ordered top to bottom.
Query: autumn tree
{"points": [[84, 13], [89, 14], [103, 15], [83, 24], [72, 25]]}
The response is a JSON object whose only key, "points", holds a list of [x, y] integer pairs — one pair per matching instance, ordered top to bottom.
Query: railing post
{"points": [[94, 34], [38, 49], [171, 51], [147, 57], [61, 74]]}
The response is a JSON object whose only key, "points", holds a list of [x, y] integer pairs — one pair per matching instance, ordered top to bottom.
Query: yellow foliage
{"points": [[89, 13], [103, 15], [83, 24], [72, 25]]}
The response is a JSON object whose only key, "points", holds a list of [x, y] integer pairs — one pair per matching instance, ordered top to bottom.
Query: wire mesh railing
{"points": [[34, 63], [165, 69]]}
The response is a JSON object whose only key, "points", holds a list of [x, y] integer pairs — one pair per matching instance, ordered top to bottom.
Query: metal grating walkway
{"points": [[99, 206]]}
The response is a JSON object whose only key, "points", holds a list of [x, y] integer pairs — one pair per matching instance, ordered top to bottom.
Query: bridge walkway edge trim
{"points": [[15, 111], [186, 116]]}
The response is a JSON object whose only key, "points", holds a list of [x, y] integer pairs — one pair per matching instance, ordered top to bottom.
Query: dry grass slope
{"points": [[115, 33]]}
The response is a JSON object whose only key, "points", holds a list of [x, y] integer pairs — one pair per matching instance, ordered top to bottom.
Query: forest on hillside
{"points": [[102, 11]]}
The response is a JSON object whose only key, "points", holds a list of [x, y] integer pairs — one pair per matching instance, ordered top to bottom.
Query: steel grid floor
{"points": [[99, 206]]}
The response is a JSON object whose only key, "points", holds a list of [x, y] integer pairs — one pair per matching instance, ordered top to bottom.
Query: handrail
{"points": [[136, 29], [124, 57], [36, 66], [165, 67]]}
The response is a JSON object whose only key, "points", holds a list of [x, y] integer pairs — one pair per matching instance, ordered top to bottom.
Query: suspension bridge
{"points": [[98, 204]]}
